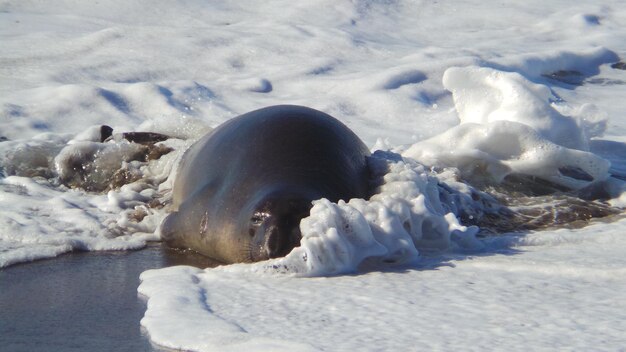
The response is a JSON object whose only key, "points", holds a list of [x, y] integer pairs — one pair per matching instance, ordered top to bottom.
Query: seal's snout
{"points": [[275, 224], [282, 237]]}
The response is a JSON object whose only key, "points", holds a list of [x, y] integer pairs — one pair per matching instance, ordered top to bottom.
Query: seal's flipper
{"points": [[106, 134], [144, 137], [168, 227]]}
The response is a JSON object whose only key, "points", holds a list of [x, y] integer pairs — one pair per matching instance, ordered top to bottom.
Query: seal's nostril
{"points": [[282, 238]]}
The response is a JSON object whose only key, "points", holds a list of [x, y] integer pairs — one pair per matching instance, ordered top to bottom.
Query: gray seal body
{"points": [[241, 190]]}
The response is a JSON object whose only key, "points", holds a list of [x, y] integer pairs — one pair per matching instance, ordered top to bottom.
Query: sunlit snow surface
{"points": [[490, 90]]}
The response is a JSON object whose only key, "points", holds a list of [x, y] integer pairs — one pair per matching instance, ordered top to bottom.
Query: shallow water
{"points": [[79, 301]]}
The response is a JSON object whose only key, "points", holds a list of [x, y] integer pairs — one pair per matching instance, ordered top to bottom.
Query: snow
{"points": [[448, 91]]}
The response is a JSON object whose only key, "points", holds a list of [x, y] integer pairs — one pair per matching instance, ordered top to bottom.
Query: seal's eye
{"points": [[258, 218]]}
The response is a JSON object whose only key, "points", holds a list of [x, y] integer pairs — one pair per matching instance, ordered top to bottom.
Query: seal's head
{"points": [[274, 224], [268, 227]]}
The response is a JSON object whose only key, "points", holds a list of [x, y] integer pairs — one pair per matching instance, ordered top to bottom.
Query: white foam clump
{"points": [[483, 95], [509, 126], [93, 164], [405, 216], [42, 218], [39, 221]]}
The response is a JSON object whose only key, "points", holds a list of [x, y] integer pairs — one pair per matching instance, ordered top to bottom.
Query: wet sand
{"points": [[81, 301]]}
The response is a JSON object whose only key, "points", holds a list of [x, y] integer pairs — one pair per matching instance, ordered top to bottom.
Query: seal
{"points": [[241, 190]]}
